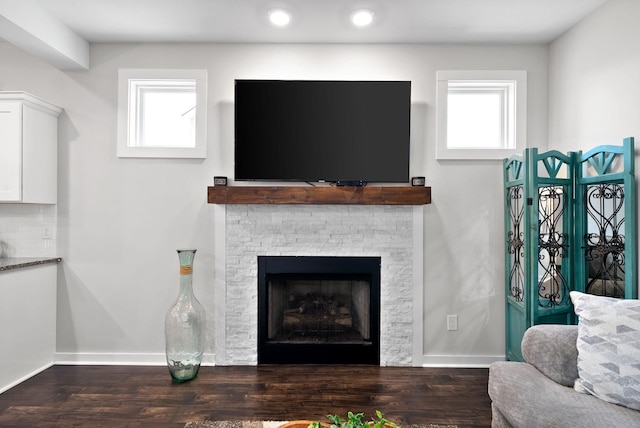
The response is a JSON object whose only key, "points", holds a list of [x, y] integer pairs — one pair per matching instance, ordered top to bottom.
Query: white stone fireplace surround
{"points": [[394, 233]]}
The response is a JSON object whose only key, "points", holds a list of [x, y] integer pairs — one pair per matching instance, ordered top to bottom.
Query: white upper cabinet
{"points": [[28, 149]]}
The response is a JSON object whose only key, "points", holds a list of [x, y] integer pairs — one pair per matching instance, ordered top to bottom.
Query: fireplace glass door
{"points": [[319, 310]]}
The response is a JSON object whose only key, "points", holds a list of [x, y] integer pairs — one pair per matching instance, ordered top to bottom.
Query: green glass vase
{"points": [[184, 326]]}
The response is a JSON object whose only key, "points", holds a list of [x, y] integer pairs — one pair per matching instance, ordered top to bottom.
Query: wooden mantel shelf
{"points": [[320, 195]]}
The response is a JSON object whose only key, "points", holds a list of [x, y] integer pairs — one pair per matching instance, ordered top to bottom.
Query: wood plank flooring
{"points": [[134, 396]]}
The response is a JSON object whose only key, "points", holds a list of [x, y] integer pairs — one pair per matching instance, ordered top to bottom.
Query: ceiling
{"points": [[320, 21], [61, 31]]}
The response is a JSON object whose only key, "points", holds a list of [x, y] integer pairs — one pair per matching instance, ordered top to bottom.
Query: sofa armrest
{"points": [[551, 349]]}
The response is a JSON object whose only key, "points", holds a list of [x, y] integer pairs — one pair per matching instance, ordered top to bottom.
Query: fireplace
{"points": [[392, 234], [317, 309]]}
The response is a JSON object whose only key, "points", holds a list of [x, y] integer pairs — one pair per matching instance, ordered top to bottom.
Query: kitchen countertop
{"points": [[9, 263]]}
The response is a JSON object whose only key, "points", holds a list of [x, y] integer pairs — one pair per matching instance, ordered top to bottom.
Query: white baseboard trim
{"points": [[122, 359], [159, 359], [460, 361], [4, 388]]}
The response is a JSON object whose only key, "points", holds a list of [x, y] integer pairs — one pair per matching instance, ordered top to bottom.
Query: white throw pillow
{"points": [[608, 348]]}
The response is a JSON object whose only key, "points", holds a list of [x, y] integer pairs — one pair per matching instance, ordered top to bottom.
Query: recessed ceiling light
{"points": [[279, 17], [362, 18]]}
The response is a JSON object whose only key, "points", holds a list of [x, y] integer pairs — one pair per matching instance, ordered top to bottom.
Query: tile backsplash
{"points": [[28, 230]]}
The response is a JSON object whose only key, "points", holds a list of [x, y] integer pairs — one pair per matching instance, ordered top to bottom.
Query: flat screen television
{"points": [[322, 131]]}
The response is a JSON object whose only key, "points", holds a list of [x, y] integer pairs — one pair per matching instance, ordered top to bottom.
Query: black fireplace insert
{"points": [[318, 310]]}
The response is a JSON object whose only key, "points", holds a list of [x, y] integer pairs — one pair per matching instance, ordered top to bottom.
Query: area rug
{"points": [[276, 424]]}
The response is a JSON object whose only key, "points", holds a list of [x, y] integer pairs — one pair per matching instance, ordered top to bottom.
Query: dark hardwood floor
{"points": [[134, 396]]}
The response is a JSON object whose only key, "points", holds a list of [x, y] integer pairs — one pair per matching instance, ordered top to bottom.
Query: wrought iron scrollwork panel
{"points": [[605, 240], [515, 241], [553, 247]]}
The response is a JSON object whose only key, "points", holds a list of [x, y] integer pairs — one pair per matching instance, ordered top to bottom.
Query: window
{"points": [[162, 113], [481, 114]]}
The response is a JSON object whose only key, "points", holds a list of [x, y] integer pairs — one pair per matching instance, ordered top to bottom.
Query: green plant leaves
{"points": [[355, 420]]}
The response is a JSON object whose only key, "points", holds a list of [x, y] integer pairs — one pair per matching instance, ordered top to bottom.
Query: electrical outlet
{"points": [[46, 233], [452, 322]]}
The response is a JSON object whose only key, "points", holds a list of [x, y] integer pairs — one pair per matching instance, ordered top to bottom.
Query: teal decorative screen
{"points": [[569, 225], [606, 264]]}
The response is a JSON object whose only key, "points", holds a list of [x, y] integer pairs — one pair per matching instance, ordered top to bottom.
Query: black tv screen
{"points": [[318, 131]]}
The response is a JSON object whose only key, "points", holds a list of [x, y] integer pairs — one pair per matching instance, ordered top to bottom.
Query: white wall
{"points": [[594, 80], [120, 220]]}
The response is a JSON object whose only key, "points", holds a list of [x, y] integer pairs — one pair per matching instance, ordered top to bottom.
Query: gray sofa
{"points": [[539, 393]]}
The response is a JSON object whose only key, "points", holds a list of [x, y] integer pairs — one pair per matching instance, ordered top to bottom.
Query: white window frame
{"points": [[130, 81], [512, 84]]}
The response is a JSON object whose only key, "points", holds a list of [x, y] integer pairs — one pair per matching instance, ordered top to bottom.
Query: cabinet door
{"points": [[10, 152], [27, 322]]}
